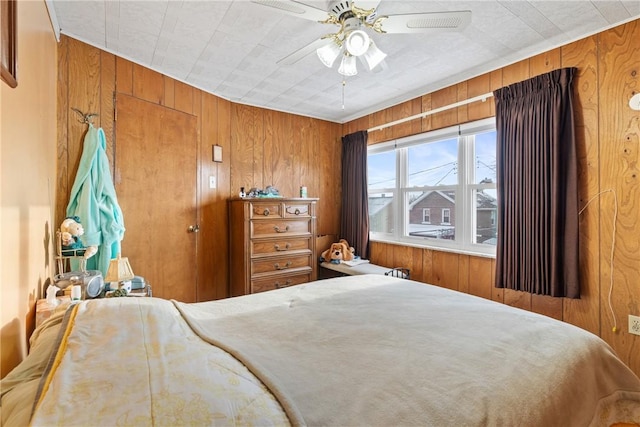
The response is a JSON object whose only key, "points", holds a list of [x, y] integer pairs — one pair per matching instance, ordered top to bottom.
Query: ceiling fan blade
{"points": [[294, 8], [426, 22], [302, 52]]}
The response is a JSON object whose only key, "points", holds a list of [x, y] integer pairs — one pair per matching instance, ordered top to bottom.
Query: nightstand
{"points": [[44, 310]]}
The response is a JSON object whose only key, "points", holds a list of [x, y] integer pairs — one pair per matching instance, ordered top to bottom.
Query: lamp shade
{"points": [[357, 43], [328, 53], [374, 56], [348, 66], [119, 270]]}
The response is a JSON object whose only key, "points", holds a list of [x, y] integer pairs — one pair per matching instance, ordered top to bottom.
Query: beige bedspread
{"points": [[375, 350], [135, 362]]}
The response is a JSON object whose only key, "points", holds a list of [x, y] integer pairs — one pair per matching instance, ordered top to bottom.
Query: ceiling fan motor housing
{"points": [[340, 7]]}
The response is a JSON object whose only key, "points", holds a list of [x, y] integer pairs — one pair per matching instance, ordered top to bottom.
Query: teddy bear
{"points": [[70, 232], [338, 252]]}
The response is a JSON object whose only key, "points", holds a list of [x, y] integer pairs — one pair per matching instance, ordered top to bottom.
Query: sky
{"points": [[433, 164]]}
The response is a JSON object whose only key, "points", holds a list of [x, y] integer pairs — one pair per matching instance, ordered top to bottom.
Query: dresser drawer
{"points": [[265, 210], [297, 210], [281, 228], [279, 246], [280, 264], [279, 282]]}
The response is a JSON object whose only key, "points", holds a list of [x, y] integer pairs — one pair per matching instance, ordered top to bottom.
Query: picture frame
{"points": [[8, 42]]}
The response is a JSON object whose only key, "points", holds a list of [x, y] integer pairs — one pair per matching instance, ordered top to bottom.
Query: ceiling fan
{"points": [[354, 21]]}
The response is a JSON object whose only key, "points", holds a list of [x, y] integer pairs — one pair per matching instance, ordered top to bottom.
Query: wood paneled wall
{"points": [[260, 147], [609, 159]]}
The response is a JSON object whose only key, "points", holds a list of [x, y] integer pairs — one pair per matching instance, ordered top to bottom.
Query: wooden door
{"points": [[155, 180]]}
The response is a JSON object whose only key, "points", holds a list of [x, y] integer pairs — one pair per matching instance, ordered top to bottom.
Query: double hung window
{"points": [[436, 189]]}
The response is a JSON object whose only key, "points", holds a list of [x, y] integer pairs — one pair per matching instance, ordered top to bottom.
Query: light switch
{"points": [[212, 181]]}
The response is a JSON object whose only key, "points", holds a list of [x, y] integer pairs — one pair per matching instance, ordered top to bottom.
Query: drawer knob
{"points": [[297, 211], [266, 212], [279, 230], [286, 247], [277, 266], [280, 285]]}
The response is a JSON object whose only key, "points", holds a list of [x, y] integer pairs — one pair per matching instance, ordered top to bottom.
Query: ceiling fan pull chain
{"points": [[344, 83]]}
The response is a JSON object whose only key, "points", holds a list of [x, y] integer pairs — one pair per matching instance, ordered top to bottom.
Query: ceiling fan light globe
{"points": [[357, 43], [329, 53], [374, 56], [348, 66]]}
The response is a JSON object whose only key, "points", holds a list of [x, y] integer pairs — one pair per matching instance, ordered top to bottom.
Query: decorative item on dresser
{"points": [[272, 243]]}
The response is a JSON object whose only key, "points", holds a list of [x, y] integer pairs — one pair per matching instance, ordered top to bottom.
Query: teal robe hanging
{"points": [[93, 199]]}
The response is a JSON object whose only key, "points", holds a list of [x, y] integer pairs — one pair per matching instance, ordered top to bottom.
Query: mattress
{"points": [[358, 350]]}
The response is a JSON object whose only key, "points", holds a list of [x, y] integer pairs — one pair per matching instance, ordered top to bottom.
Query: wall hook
{"points": [[85, 118]]}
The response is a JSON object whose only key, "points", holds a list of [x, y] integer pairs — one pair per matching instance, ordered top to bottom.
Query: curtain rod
{"points": [[434, 111]]}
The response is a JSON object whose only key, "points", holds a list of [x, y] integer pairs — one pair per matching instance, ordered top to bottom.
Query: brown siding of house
{"points": [[608, 149]]}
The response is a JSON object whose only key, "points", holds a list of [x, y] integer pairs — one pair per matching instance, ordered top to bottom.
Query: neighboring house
{"points": [[381, 213], [432, 214], [486, 218]]}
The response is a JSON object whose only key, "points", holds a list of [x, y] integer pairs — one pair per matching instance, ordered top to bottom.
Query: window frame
{"points": [[465, 204]]}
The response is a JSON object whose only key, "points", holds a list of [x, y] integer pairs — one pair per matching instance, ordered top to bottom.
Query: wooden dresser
{"points": [[272, 243]]}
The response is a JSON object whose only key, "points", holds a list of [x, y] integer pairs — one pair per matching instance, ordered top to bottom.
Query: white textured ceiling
{"points": [[230, 48]]}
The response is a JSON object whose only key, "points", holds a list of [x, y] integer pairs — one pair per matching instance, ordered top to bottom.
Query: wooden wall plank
{"points": [[618, 65], [515, 73], [124, 76], [148, 84], [476, 87], [84, 94], [462, 94], [184, 97], [441, 98], [169, 99], [107, 107], [400, 111], [380, 118], [426, 123], [243, 125], [284, 147], [329, 171], [304, 172], [63, 184], [402, 257], [417, 265], [445, 269], [463, 272], [480, 276], [497, 294], [549, 306]]}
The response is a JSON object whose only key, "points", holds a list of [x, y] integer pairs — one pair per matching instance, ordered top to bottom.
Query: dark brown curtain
{"points": [[354, 221], [537, 249]]}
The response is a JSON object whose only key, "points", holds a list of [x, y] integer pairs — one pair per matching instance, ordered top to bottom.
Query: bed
{"points": [[356, 350]]}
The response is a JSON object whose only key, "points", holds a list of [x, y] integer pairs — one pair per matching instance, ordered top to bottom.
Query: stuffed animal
{"points": [[70, 232], [338, 252]]}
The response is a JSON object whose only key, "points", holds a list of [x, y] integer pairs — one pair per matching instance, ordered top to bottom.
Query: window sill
{"points": [[489, 253]]}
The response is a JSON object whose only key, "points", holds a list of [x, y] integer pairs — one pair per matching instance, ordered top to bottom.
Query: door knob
{"points": [[193, 228]]}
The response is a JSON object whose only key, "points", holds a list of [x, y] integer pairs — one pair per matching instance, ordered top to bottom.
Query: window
{"points": [[436, 189], [426, 216], [446, 216]]}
